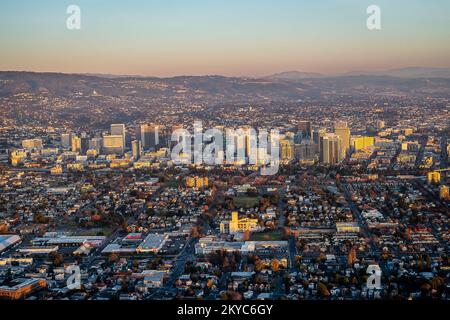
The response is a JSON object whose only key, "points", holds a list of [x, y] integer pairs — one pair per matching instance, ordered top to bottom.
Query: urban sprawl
{"points": [[101, 212]]}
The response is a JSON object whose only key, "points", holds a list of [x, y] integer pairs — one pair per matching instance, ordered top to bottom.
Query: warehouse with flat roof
{"points": [[8, 240], [152, 243]]}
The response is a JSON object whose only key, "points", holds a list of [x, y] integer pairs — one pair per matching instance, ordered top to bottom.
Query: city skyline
{"points": [[227, 38]]}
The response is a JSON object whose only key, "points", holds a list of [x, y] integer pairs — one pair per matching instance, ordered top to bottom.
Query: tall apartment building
{"points": [[119, 130], [342, 130], [331, 149]]}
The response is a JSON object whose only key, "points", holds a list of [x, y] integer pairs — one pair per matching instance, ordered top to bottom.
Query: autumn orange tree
{"points": [[351, 256], [275, 265], [323, 290]]}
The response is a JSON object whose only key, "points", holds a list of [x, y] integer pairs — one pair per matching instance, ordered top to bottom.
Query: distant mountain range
{"points": [[410, 72], [295, 75], [285, 86], [71, 98]]}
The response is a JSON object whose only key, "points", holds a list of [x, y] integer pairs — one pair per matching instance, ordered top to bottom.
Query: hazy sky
{"points": [[229, 37]]}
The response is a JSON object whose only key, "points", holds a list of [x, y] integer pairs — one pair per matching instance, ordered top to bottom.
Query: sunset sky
{"points": [[227, 37]]}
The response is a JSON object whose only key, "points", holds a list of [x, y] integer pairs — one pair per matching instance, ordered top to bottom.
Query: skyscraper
{"points": [[304, 127], [119, 130], [342, 130], [317, 134], [149, 136], [163, 136], [66, 140], [76, 144], [84, 144], [113, 144], [136, 147], [331, 149], [286, 150], [307, 150]]}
